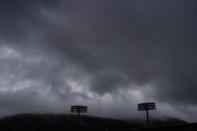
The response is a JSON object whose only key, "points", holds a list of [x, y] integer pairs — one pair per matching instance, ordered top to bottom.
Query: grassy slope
{"points": [[48, 122]]}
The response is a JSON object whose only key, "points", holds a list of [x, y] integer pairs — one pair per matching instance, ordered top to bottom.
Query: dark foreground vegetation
{"points": [[47, 122]]}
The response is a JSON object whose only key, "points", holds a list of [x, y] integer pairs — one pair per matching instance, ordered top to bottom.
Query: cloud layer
{"points": [[109, 55]]}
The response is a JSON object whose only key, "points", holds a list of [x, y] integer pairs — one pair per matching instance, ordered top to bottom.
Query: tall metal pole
{"points": [[78, 116], [148, 120]]}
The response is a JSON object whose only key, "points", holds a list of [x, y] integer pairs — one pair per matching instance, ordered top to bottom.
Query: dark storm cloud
{"points": [[20, 18], [140, 41], [103, 46]]}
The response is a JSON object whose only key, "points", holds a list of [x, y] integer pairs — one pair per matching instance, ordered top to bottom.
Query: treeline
{"points": [[48, 122]]}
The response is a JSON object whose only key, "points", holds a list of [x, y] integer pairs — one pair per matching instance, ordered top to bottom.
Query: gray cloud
{"points": [[86, 52]]}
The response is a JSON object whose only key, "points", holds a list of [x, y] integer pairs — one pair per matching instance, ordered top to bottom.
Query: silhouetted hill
{"points": [[167, 121], [48, 122]]}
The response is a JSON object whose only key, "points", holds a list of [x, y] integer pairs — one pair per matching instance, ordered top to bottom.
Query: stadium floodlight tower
{"points": [[146, 107], [79, 109]]}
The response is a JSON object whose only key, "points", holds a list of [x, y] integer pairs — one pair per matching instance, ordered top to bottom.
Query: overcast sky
{"points": [[107, 54]]}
